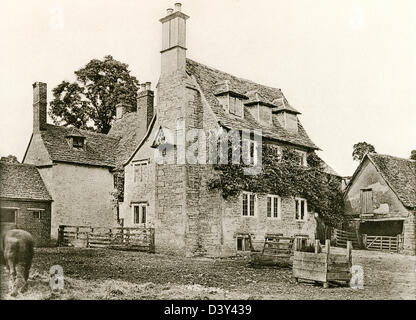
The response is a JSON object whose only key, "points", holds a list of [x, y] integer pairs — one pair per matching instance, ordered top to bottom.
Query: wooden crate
{"points": [[324, 266]]}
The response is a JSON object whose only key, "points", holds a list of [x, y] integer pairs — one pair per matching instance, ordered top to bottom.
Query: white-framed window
{"points": [[302, 158], [141, 169], [249, 204], [273, 206], [301, 209], [36, 213], [140, 213], [8, 215], [243, 243]]}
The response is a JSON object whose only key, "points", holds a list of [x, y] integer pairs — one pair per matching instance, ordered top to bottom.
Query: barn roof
{"points": [[208, 80], [400, 174], [22, 181]]}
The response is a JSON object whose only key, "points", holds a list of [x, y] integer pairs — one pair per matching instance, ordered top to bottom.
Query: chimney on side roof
{"points": [[173, 41], [145, 101], [39, 106], [121, 110]]}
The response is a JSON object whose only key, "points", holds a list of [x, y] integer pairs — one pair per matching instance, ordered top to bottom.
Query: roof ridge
{"points": [[236, 77], [98, 134], [372, 154]]}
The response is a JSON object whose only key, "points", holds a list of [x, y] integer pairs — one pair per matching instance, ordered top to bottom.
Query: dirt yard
{"points": [[109, 274]]}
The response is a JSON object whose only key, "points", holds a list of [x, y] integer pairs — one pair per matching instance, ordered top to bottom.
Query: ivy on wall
{"points": [[284, 176]]}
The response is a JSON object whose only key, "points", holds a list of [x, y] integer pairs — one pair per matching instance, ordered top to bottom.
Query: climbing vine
{"points": [[282, 174]]}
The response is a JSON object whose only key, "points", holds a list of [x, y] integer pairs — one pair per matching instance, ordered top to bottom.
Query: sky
{"points": [[349, 66]]}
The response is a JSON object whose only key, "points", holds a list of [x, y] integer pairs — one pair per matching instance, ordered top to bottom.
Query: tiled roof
{"points": [[209, 78], [130, 130], [99, 148], [400, 174], [22, 181]]}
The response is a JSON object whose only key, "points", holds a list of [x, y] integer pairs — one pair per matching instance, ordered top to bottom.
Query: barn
{"points": [[380, 201], [25, 203]]}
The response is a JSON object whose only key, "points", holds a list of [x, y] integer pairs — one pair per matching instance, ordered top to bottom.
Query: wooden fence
{"points": [[342, 236], [139, 239], [382, 243]]}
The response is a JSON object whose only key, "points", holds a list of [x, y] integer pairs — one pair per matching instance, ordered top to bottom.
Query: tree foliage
{"points": [[90, 102], [360, 149], [413, 155], [9, 159], [283, 176]]}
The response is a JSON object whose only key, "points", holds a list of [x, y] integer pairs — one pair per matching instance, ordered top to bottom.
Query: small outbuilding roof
{"points": [[22, 181]]}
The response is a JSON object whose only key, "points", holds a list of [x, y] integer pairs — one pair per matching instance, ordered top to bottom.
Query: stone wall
{"points": [[81, 194], [39, 228]]}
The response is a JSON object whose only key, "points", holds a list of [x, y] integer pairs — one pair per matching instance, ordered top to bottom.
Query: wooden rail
{"points": [[342, 237], [139, 239], [382, 243]]}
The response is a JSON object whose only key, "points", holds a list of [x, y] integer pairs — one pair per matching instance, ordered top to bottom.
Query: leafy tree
{"points": [[90, 102], [360, 149], [413, 155], [9, 159]]}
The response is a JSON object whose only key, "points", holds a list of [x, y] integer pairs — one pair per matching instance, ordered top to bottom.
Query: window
{"points": [[235, 106], [78, 142], [253, 151], [276, 151], [302, 158], [140, 171], [366, 200], [249, 204], [273, 207], [301, 209], [36, 213], [140, 213], [8, 215], [243, 243]]}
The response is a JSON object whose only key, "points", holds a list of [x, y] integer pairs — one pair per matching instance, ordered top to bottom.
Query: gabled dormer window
{"points": [[230, 99], [78, 142]]}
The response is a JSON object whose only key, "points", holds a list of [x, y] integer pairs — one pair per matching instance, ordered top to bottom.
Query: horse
{"points": [[17, 249]]}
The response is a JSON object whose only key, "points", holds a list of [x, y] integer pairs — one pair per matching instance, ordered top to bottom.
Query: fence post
{"points": [[61, 235], [364, 236], [316, 246], [152, 248], [349, 250]]}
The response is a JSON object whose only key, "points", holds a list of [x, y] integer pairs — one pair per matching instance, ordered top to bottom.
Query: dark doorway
{"points": [[382, 228]]}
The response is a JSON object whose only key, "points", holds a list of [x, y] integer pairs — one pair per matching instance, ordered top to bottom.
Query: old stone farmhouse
{"points": [[80, 168], [381, 199], [25, 203]]}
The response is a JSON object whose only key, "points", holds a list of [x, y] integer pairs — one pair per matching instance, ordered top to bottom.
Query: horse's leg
{"points": [[12, 272], [20, 283]]}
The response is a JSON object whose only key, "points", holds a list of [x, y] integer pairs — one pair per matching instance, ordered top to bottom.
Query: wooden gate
{"points": [[342, 236], [138, 239], [382, 243]]}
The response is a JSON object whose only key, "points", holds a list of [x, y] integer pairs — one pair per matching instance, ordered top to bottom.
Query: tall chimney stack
{"points": [[173, 41], [145, 102], [39, 106]]}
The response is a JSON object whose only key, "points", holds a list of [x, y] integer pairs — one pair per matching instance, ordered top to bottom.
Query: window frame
{"points": [[303, 161], [141, 163], [249, 194], [273, 197], [141, 206], [298, 209], [36, 210], [15, 214], [245, 245]]}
